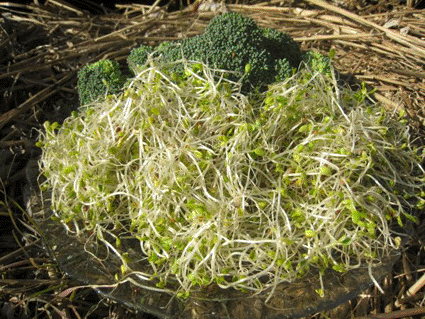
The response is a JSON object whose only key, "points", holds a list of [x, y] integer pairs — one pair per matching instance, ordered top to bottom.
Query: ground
{"points": [[376, 42]]}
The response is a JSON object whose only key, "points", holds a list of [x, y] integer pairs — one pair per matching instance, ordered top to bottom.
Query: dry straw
{"points": [[43, 46]]}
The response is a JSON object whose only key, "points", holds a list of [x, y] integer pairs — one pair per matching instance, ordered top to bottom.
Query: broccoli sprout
{"points": [[317, 61], [222, 188]]}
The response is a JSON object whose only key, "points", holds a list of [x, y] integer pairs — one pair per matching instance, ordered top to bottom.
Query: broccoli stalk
{"points": [[97, 79]]}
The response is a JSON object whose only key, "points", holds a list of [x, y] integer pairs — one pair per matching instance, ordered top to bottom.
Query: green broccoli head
{"points": [[235, 43], [282, 46], [170, 51], [138, 57], [256, 57], [283, 70], [97, 79]]}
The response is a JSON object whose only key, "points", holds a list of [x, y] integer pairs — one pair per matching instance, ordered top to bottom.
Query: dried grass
{"points": [[43, 46]]}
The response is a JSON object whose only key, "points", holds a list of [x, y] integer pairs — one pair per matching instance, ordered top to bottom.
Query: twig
{"points": [[405, 40], [12, 114], [412, 290], [396, 314]]}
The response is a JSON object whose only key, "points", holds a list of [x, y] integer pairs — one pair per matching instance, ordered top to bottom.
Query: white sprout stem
{"points": [[220, 190]]}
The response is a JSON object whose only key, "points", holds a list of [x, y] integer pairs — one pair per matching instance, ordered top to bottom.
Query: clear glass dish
{"points": [[75, 256]]}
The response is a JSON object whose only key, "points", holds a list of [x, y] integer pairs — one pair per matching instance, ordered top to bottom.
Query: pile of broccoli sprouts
{"points": [[237, 190]]}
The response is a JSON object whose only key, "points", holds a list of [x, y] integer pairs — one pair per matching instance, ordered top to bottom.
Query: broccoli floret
{"points": [[231, 42], [235, 43], [166, 45], [282, 46], [170, 51], [138, 57], [256, 57], [283, 70], [97, 79]]}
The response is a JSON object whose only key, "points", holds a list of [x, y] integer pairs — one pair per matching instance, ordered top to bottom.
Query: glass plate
{"points": [[75, 256]]}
